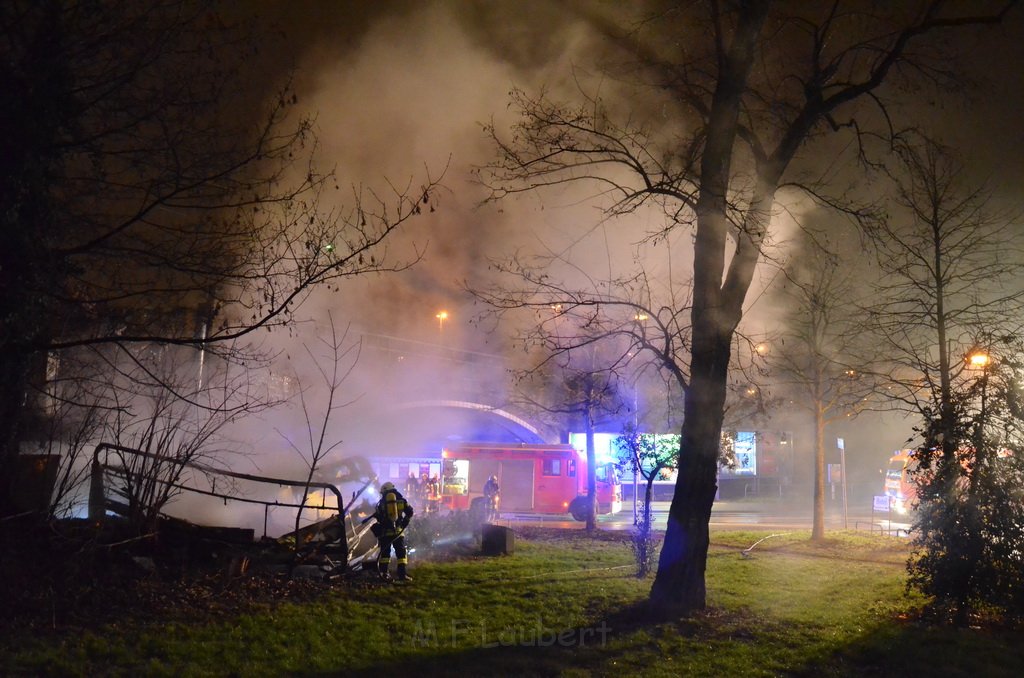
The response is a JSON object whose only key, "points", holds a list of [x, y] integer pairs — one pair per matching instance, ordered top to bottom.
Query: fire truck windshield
{"points": [[607, 473]]}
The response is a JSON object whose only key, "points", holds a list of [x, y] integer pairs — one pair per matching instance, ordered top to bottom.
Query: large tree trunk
{"points": [[717, 308], [818, 529], [679, 585]]}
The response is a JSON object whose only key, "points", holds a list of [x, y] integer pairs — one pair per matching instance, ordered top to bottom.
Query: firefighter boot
{"points": [[402, 574]]}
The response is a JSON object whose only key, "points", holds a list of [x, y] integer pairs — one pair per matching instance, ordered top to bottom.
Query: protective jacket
{"points": [[393, 514]]}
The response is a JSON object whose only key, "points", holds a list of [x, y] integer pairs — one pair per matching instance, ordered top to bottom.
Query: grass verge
{"points": [[562, 605]]}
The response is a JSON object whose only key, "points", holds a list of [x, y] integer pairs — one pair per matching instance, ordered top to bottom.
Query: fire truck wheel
{"points": [[578, 509]]}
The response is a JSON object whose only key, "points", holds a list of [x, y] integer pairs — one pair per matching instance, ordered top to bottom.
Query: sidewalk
{"points": [[752, 505], [795, 507]]}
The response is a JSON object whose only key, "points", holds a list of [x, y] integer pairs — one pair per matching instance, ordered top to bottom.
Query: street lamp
{"points": [[441, 317], [978, 360]]}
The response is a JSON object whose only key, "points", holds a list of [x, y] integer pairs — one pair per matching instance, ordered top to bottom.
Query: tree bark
{"points": [[649, 494], [818, 528], [679, 586]]}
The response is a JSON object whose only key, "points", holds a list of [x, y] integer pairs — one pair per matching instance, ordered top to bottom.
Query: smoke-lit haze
{"points": [[401, 89], [398, 94]]}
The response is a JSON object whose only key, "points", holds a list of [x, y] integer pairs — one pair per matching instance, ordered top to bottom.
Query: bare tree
{"points": [[750, 85], [153, 193], [951, 267], [948, 318], [607, 334], [817, 358], [333, 364], [576, 389], [158, 408], [76, 420]]}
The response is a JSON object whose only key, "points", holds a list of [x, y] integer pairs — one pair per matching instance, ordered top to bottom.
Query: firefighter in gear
{"points": [[492, 491], [433, 495], [393, 515]]}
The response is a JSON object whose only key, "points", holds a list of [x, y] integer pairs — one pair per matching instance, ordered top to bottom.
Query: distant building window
{"points": [[551, 467]]}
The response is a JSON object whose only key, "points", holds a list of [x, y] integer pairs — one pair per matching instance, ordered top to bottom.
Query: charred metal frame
{"points": [[99, 504]]}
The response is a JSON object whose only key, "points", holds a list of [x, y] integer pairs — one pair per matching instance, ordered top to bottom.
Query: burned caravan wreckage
{"points": [[336, 539]]}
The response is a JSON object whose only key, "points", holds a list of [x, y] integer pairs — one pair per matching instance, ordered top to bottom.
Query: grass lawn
{"points": [[562, 605]]}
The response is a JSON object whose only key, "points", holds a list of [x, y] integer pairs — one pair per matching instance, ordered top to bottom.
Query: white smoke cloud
{"points": [[401, 87]]}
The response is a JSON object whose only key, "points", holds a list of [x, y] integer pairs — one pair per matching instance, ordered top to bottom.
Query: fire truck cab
{"points": [[533, 478], [899, 486]]}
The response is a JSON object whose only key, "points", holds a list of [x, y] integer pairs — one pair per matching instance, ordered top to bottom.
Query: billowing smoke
{"points": [[400, 90], [398, 95]]}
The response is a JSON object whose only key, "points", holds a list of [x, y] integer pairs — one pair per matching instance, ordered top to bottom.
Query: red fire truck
{"points": [[533, 478], [900, 482], [899, 486]]}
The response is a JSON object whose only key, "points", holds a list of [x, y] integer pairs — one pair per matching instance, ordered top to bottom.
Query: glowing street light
{"points": [[441, 317], [978, 360]]}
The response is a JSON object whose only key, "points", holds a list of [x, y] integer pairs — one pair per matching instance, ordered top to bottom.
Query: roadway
{"points": [[733, 515]]}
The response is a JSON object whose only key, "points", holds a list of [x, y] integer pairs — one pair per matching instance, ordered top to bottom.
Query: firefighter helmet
{"points": [[494, 479], [387, 487]]}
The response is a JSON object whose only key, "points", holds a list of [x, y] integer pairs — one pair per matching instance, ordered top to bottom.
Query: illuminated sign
{"points": [[742, 460]]}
